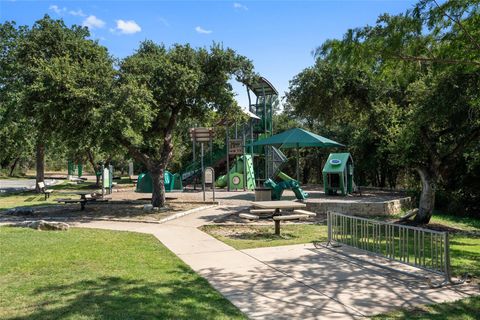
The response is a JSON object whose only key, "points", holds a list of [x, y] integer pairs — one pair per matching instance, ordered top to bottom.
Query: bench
{"points": [[44, 190], [68, 200], [259, 211], [309, 213], [248, 216], [278, 219]]}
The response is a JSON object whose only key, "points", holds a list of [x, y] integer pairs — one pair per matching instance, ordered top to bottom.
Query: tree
{"points": [[62, 78], [411, 83], [160, 87], [15, 142]]}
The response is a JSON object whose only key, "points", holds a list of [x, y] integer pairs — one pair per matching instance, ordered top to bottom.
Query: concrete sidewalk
{"points": [[291, 281]]}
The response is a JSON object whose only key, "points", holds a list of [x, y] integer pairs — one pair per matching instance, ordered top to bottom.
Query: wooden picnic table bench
{"points": [[85, 197], [275, 207]]}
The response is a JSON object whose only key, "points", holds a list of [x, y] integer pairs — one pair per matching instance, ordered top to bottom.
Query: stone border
{"points": [[169, 218]]}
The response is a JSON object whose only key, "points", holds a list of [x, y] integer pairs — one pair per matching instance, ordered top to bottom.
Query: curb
{"points": [[172, 217]]}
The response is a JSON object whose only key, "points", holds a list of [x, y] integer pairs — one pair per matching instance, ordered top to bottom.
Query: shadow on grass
{"points": [[260, 235], [184, 297], [462, 309]]}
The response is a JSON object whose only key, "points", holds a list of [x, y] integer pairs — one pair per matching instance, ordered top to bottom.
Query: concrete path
{"points": [[17, 185], [291, 281]]}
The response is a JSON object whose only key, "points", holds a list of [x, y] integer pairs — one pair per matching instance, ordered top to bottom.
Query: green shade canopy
{"points": [[297, 138]]}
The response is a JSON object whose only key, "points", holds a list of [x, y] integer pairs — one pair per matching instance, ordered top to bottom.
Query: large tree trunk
{"points": [[40, 164], [13, 166], [95, 167], [158, 182], [427, 197]]}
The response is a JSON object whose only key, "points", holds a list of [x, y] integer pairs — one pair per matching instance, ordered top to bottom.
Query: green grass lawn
{"points": [[31, 198], [247, 237], [464, 248], [93, 274], [465, 309]]}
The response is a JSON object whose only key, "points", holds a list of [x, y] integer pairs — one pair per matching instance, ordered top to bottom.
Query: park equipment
{"points": [[297, 138], [241, 163], [74, 169], [338, 174], [286, 183], [145, 185], [421, 248]]}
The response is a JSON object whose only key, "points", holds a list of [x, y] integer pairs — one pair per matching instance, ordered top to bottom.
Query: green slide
{"points": [[236, 174], [287, 183]]}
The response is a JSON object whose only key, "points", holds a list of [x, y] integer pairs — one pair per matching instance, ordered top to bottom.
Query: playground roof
{"points": [[263, 87], [297, 137], [336, 162]]}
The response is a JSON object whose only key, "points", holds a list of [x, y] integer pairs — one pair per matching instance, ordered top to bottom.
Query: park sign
{"points": [[201, 134]]}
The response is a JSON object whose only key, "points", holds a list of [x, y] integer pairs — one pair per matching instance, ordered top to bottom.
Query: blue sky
{"points": [[278, 36]]}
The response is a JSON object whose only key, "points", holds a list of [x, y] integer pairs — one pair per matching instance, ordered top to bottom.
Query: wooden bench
{"points": [[44, 190], [309, 213], [248, 216], [278, 219]]}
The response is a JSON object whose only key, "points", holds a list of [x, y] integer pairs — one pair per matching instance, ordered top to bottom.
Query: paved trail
{"points": [[16, 185], [287, 282]]}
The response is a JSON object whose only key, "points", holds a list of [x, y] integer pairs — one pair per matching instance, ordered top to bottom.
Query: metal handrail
{"points": [[418, 247]]}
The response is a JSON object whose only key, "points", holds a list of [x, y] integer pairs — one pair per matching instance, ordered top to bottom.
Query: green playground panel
{"points": [[236, 174], [338, 174], [145, 184]]}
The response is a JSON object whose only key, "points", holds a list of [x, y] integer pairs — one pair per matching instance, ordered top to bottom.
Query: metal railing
{"points": [[421, 248]]}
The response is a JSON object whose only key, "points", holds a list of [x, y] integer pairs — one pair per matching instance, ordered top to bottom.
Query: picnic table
{"points": [[85, 196], [274, 208]]}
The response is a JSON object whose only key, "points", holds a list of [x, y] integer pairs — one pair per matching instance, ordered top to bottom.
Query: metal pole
{"points": [[228, 157], [194, 159], [244, 160], [298, 167], [203, 176], [213, 183]]}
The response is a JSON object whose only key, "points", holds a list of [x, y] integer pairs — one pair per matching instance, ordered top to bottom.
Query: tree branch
{"points": [[457, 21], [445, 61], [135, 153]]}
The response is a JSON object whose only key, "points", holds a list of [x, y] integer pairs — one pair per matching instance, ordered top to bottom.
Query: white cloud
{"points": [[239, 6], [57, 9], [77, 13], [93, 22], [127, 27], [202, 31]]}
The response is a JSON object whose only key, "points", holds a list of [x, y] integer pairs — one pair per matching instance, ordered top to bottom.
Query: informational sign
{"points": [[201, 134], [236, 146], [209, 175], [209, 178]]}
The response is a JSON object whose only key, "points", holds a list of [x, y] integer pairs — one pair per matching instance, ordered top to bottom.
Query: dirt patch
{"points": [[110, 211]]}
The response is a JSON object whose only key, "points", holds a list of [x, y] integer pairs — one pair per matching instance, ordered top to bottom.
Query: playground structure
{"points": [[244, 165], [74, 169], [338, 174], [172, 182]]}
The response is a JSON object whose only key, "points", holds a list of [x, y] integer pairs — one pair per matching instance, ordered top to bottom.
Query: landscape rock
{"points": [[148, 207], [45, 225]]}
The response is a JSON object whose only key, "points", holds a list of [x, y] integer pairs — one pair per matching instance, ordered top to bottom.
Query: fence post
{"points": [[329, 225], [447, 257]]}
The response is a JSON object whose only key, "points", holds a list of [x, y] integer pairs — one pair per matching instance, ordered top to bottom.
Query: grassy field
{"points": [[31, 198], [247, 237], [464, 247], [93, 274], [465, 309]]}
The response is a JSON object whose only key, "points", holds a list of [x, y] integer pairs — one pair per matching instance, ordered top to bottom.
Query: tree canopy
{"points": [[404, 95]]}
